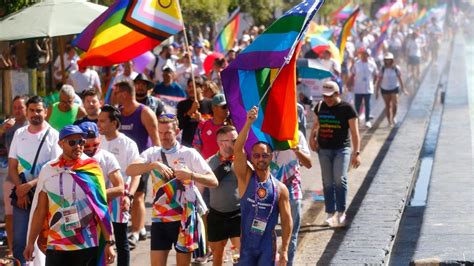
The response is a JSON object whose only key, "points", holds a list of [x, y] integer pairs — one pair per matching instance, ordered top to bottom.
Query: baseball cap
{"points": [[198, 45], [388, 56], [329, 88], [219, 100], [70, 130], [90, 130]]}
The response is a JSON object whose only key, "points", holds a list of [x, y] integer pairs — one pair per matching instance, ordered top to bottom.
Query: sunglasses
{"points": [[224, 107], [166, 115], [74, 142], [261, 155]]}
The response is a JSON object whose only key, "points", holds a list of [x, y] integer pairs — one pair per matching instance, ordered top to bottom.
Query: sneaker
{"points": [[368, 124], [329, 219], [339, 220], [142, 235], [132, 241], [204, 259]]}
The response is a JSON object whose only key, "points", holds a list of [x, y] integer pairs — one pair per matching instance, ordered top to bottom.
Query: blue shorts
{"points": [[257, 257]]}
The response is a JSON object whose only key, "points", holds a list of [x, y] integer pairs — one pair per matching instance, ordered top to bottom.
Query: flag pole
{"points": [[186, 42]]}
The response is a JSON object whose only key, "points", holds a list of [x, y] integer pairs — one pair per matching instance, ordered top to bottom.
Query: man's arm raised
{"points": [[241, 168]]}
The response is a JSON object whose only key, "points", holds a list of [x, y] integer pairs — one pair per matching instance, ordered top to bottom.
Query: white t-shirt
{"points": [[414, 47], [199, 61], [162, 62], [69, 65], [183, 74], [364, 76], [121, 77], [389, 78], [84, 81], [25, 144], [125, 151], [183, 157], [107, 162], [49, 182]]}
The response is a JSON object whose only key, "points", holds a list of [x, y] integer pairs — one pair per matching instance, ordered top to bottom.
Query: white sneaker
{"points": [[368, 124], [329, 220], [340, 220]]}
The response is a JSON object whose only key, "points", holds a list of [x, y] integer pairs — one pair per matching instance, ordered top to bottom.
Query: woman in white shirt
{"points": [[389, 84]]}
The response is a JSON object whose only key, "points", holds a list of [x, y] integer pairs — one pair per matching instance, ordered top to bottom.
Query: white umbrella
{"points": [[49, 18]]}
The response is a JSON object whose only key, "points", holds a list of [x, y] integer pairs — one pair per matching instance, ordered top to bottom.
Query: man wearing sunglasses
{"points": [[25, 159], [175, 170], [262, 199], [71, 200]]}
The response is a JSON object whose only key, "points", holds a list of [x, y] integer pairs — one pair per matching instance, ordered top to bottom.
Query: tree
{"points": [[7, 7], [262, 11], [199, 15]]}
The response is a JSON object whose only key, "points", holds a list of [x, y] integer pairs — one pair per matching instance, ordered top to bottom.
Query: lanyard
{"points": [[61, 190], [256, 197]]}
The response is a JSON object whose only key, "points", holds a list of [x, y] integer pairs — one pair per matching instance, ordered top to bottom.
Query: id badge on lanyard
{"points": [[70, 215], [259, 224]]}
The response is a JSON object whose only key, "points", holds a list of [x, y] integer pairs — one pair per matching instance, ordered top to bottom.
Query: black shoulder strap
{"points": [[163, 158], [32, 170]]}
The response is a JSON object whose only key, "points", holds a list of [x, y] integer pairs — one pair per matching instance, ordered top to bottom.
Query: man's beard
{"points": [[140, 95], [36, 121]]}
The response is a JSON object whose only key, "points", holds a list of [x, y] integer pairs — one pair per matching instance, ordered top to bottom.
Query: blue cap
{"points": [[198, 45], [219, 99], [70, 130], [90, 130]]}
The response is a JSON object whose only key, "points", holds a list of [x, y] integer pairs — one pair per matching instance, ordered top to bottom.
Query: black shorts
{"points": [[394, 91], [143, 185], [223, 225], [164, 235], [80, 257]]}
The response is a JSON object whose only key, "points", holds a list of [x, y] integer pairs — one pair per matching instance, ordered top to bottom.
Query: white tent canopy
{"points": [[49, 18]]}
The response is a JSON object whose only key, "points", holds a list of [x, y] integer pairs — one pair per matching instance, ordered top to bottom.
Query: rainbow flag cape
{"points": [[127, 29], [345, 32], [226, 38], [269, 64], [88, 175]]}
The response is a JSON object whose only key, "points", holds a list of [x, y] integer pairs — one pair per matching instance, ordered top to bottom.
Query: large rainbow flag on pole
{"points": [[127, 29], [345, 32], [226, 38], [265, 72]]}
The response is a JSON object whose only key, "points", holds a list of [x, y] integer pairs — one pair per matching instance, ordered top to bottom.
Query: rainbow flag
{"points": [[343, 12], [422, 17], [127, 29], [345, 32], [226, 38], [269, 64], [88, 175]]}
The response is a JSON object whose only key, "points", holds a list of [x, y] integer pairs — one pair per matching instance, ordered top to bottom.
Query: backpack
{"points": [[397, 71], [152, 72]]}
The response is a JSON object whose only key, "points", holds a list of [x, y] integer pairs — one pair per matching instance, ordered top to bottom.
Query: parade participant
{"points": [[413, 49], [199, 56], [161, 61], [70, 63], [184, 71], [128, 73], [363, 77], [85, 79], [389, 84], [169, 87], [143, 88], [210, 89], [91, 102], [191, 111], [64, 112], [138, 122], [7, 131], [206, 133], [330, 139], [126, 151], [24, 166], [183, 167], [286, 168], [114, 184], [72, 187], [262, 199], [223, 220]]}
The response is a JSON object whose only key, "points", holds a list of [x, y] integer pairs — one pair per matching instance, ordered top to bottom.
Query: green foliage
{"points": [[7, 6], [262, 11], [197, 13]]}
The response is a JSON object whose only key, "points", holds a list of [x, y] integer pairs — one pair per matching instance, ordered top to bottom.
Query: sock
{"points": [[143, 231]]}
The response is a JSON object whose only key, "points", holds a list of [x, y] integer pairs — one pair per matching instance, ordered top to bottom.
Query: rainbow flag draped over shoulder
{"points": [[127, 29], [345, 32], [226, 38], [270, 61], [88, 175]]}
